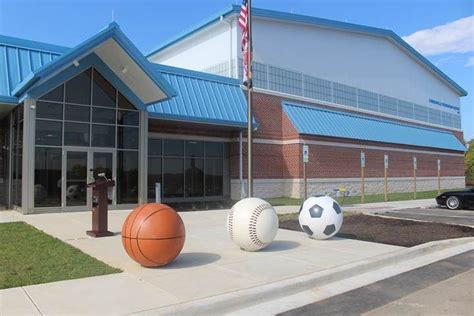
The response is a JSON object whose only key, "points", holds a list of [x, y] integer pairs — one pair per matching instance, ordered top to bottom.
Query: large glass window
{"points": [[78, 89], [103, 93], [49, 110], [88, 111], [49, 133], [76, 134], [4, 160], [186, 168], [17, 171], [154, 176], [127, 177], [173, 177], [194, 181], [47, 188]]}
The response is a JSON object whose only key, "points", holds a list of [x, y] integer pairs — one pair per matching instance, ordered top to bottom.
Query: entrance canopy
{"points": [[28, 68]]}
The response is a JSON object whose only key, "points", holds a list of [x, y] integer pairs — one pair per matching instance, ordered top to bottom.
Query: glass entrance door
{"points": [[103, 163], [82, 167], [76, 192]]}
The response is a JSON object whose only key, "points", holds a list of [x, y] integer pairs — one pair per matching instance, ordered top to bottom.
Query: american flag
{"points": [[245, 45]]}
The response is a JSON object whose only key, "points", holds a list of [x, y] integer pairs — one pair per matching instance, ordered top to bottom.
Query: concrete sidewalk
{"points": [[370, 208], [210, 264]]}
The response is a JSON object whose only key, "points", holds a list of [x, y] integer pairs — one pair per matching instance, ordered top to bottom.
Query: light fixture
{"points": [[76, 63], [124, 70]]}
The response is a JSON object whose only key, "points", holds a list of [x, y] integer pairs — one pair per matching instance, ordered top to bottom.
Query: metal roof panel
{"points": [[315, 121]]}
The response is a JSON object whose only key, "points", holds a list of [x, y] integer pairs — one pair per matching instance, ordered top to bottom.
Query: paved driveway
{"points": [[438, 215]]}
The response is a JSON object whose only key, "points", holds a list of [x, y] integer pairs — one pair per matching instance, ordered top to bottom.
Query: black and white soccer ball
{"points": [[320, 217]]}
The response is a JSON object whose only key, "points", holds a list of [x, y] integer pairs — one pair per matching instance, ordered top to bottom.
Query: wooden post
{"points": [[305, 161], [362, 176], [414, 177], [439, 177], [385, 186]]}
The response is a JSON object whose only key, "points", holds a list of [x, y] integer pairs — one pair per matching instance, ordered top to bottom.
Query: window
{"points": [[78, 89], [103, 93], [55, 95], [49, 110], [87, 111], [77, 113], [101, 115], [48, 133], [76, 134], [103, 136], [127, 137], [154, 147], [173, 147], [194, 148], [187, 168], [154, 176], [127, 177], [173, 177], [214, 177], [194, 182], [47, 188]]}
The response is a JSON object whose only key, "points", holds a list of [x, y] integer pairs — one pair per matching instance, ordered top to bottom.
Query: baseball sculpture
{"points": [[320, 217], [252, 224], [153, 234]]}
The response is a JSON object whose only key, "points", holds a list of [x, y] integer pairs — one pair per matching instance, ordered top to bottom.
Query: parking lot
{"points": [[435, 214]]}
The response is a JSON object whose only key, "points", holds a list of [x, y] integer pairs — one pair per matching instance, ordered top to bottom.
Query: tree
{"points": [[469, 163]]}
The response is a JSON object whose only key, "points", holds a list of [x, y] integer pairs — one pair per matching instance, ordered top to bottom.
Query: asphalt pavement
{"points": [[437, 215], [442, 287]]}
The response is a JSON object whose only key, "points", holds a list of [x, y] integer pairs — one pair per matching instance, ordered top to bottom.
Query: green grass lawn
{"points": [[356, 199], [29, 256]]}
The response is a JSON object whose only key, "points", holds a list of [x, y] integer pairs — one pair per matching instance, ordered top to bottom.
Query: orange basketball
{"points": [[153, 234]]}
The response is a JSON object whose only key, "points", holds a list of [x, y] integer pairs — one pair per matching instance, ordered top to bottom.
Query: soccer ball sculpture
{"points": [[320, 217], [252, 224], [153, 234]]}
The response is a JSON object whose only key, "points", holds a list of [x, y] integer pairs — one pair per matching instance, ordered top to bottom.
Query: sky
{"points": [[442, 30]]}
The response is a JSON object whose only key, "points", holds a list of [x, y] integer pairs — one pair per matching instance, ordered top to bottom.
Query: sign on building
{"points": [[305, 153], [362, 159], [385, 161], [414, 163], [439, 165]]}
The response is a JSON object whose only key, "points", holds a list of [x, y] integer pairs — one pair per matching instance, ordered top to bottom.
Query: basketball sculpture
{"points": [[320, 217], [252, 224], [153, 234]]}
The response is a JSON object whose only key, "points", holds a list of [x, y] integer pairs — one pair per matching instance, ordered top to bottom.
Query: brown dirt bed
{"points": [[389, 231]]}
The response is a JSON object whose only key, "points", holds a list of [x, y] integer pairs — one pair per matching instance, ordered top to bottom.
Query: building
{"points": [[178, 116]]}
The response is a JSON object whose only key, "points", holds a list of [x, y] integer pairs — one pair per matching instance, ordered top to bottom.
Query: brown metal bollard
{"points": [[100, 208]]}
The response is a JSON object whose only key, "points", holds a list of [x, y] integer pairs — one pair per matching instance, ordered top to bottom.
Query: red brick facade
{"points": [[279, 157], [278, 160]]}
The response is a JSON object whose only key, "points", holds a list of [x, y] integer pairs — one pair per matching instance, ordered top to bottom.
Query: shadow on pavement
{"points": [[191, 259]]}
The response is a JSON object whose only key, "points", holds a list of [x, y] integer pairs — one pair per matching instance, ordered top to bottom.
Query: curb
{"points": [[244, 298]]}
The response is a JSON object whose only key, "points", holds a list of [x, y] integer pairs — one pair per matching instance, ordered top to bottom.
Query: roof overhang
{"points": [[119, 54]]}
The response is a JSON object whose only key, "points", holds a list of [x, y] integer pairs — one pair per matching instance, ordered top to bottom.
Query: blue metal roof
{"points": [[291, 17], [19, 58], [66, 59], [201, 98], [321, 122]]}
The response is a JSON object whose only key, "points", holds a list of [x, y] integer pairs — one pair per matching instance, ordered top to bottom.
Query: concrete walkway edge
{"points": [[391, 264]]}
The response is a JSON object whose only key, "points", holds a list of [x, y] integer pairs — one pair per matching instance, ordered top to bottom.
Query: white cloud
{"points": [[453, 37], [470, 62]]}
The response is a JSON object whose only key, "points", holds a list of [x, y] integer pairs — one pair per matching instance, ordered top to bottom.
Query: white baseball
{"points": [[252, 224]]}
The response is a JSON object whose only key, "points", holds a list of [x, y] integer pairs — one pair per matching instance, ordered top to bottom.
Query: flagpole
{"points": [[249, 106]]}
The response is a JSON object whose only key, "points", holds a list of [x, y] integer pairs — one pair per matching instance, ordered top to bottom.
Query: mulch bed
{"points": [[390, 231]]}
